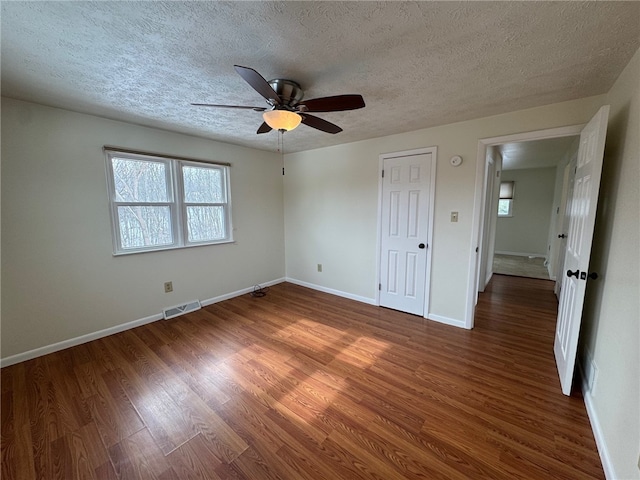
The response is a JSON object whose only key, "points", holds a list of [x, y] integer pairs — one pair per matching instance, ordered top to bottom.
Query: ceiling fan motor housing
{"points": [[290, 92]]}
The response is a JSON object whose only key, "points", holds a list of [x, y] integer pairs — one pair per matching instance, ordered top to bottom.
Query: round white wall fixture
{"points": [[456, 160]]}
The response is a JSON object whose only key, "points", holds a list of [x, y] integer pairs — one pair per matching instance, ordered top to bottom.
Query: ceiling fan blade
{"points": [[258, 83], [336, 103], [255, 109], [320, 124], [264, 128]]}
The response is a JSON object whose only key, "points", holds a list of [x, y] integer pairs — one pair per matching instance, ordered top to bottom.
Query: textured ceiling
{"points": [[417, 64]]}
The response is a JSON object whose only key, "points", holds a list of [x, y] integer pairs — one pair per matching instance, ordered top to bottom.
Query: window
{"points": [[505, 202], [161, 203]]}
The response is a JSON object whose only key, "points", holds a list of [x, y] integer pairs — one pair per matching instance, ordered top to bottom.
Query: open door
{"points": [[583, 201], [563, 223]]}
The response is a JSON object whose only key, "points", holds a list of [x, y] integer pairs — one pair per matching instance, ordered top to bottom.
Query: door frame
{"points": [[492, 186], [432, 195], [480, 207]]}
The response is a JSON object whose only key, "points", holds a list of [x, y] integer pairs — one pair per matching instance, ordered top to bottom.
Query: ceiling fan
{"points": [[286, 109]]}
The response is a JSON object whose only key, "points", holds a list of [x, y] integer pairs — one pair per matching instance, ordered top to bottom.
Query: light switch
{"points": [[454, 216]]}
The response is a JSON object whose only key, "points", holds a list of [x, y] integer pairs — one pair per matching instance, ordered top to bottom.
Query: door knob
{"points": [[562, 235], [421, 245], [571, 274], [593, 275]]}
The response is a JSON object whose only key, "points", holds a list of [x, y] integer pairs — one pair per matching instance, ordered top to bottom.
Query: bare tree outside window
{"points": [[143, 184], [203, 192], [147, 213]]}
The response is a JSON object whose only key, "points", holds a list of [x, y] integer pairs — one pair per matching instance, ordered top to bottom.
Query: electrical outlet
{"points": [[454, 216], [320, 267], [168, 287]]}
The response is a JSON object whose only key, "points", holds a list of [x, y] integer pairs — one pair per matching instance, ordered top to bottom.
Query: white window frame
{"points": [[176, 201]]}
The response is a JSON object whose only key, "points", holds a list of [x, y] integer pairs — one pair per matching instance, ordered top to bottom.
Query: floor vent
{"points": [[181, 309]]}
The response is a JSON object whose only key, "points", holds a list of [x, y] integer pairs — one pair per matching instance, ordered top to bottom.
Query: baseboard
{"points": [[522, 254], [237, 293], [350, 296], [446, 320], [72, 342], [603, 451]]}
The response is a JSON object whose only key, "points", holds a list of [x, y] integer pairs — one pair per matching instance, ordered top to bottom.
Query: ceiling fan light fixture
{"points": [[282, 119]]}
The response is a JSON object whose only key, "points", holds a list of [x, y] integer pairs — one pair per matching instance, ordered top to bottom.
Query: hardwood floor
{"points": [[304, 385]]}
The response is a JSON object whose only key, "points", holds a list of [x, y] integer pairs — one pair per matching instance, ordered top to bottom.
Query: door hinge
{"points": [[282, 170], [382, 173], [379, 286]]}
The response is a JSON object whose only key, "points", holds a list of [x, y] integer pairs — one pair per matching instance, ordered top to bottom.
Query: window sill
{"points": [[164, 249]]}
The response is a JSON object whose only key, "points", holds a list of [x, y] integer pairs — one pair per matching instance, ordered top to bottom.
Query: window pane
{"points": [[140, 180], [202, 185], [504, 207], [205, 224], [144, 226]]}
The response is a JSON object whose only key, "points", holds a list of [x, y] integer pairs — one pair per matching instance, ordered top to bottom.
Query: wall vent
{"points": [[178, 310]]}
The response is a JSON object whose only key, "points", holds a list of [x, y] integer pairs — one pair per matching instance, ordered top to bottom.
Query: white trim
{"points": [[567, 131], [175, 202], [432, 209], [432, 215], [477, 222], [379, 229], [521, 254], [237, 293], [339, 293], [370, 301], [446, 320], [72, 342], [601, 444]]}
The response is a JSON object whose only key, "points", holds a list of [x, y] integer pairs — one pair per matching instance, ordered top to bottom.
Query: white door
{"points": [[406, 198], [582, 213], [489, 215], [563, 222]]}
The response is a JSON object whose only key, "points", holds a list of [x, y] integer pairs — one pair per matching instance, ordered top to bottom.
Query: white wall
{"points": [[331, 202], [527, 231], [59, 277], [611, 323]]}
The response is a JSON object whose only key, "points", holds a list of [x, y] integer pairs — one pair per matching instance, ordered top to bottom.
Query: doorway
{"points": [[488, 175], [582, 200], [528, 219]]}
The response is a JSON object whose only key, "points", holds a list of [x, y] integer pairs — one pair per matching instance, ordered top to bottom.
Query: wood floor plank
{"points": [[302, 385], [17, 443], [71, 453], [138, 457], [194, 460], [106, 472]]}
